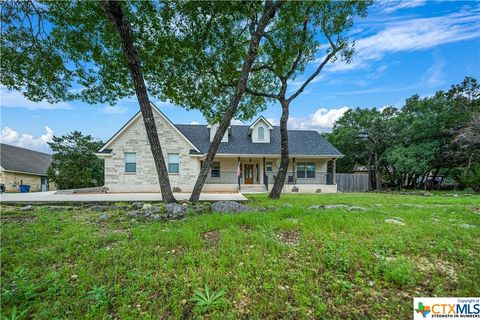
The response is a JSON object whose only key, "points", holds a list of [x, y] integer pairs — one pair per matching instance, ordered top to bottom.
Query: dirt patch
{"points": [[18, 219], [245, 228], [289, 237], [212, 238], [437, 266], [242, 303]]}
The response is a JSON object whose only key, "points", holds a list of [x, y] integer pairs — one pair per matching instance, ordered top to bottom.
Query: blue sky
{"points": [[402, 48]]}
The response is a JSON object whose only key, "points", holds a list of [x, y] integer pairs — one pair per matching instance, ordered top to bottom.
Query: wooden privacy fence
{"points": [[352, 182]]}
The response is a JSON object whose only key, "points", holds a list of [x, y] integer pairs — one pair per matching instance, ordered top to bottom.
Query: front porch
{"points": [[258, 173]]}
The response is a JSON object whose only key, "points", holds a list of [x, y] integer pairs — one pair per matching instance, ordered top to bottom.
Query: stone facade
{"points": [[134, 139], [12, 181]]}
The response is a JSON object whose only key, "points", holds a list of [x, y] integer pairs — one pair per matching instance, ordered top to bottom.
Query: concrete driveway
{"points": [[50, 196]]}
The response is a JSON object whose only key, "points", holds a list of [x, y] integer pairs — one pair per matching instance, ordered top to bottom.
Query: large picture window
{"points": [[130, 162], [173, 163], [216, 170], [305, 170]]}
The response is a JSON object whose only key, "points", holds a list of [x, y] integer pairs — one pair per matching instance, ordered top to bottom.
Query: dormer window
{"points": [[212, 130], [260, 130], [261, 134]]}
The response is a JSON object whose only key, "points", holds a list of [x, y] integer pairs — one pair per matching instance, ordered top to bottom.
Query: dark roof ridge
{"points": [[12, 146]]}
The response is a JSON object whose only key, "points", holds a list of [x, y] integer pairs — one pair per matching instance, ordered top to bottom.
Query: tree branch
{"points": [[335, 49], [300, 51], [320, 67], [262, 94]]}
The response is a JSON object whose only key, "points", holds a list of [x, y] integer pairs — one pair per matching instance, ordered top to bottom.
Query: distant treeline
{"points": [[430, 142]]}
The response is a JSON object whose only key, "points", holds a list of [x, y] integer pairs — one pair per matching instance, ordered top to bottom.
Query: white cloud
{"points": [[389, 6], [410, 35], [434, 76], [14, 99], [114, 109], [321, 120], [272, 121], [194, 122], [236, 122], [26, 140]]}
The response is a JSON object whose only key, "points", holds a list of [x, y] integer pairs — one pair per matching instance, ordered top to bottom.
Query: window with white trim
{"points": [[261, 134], [130, 162], [173, 163], [269, 165], [215, 170], [305, 170]]}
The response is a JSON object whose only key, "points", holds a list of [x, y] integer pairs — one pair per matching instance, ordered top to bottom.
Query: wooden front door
{"points": [[248, 173]]}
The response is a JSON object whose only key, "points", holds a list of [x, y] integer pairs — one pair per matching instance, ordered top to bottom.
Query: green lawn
{"points": [[286, 262]]}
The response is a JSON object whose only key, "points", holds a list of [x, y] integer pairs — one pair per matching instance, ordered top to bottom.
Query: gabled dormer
{"points": [[212, 129], [260, 130]]}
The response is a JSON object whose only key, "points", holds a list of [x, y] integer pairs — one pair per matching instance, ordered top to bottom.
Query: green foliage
{"points": [[190, 52], [428, 136], [75, 164], [399, 272], [98, 296], [206, 300]]}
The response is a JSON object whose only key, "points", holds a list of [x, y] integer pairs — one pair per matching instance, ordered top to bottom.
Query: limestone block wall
{"points": [[134, 139], [12, 180]]}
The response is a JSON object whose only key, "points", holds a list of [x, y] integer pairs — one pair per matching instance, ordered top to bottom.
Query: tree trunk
{"points": [[268, 14], [116, 16], [369, 168], [283, 169], [378, 177], [434, 177]]}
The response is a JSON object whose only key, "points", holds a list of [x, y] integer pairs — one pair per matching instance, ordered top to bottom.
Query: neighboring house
{"points": [[129, 164], [19, 166], [360, 169]]}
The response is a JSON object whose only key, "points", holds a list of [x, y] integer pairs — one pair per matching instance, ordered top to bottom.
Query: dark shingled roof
{"points": [[301, 142], [24, 160]]}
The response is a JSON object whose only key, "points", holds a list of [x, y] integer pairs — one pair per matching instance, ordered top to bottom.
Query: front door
{"points": [[248, 174], [43, 184]]}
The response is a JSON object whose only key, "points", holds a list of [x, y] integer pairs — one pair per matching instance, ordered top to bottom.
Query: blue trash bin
{"points": [[24, 188]]}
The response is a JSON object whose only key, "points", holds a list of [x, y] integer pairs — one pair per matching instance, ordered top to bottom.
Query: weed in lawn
{"points": [[399, 271], [99, 297], [207, 300]]}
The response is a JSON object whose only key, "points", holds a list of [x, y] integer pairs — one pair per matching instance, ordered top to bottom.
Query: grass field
{"points": [[286, 262]]}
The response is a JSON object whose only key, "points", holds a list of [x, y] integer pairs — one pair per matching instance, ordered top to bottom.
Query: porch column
{"points": [[263, 171], [334, 171], [293, 172]]}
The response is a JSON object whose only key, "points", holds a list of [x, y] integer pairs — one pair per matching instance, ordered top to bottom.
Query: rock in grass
{"points": [[137, 205], [146, 206], [230, 206], [328, 206], [27, 208], [99, 208], [356, 208], [151, 210], [175, 210], [132, 213], [103, 217], [396, 221], [467, 226]]}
